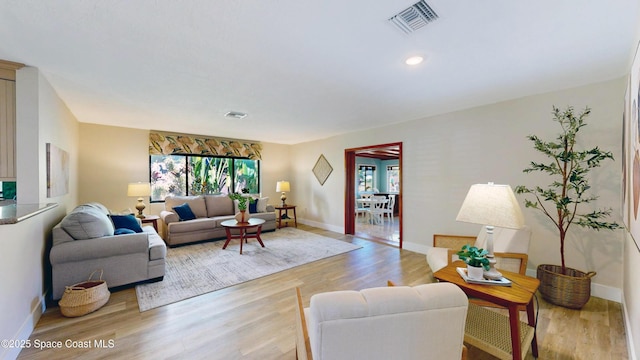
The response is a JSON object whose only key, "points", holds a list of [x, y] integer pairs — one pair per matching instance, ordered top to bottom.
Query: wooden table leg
{"points": [[295, 218], [258, 235], [243, 236], [228, 238], [531, 317], [514, 322]]}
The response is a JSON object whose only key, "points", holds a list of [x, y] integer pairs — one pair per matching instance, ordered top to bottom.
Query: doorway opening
{"points": [[374, 170]]}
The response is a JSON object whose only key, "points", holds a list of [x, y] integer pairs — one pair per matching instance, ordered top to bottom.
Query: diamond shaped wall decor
{"points": [[322, 169]]}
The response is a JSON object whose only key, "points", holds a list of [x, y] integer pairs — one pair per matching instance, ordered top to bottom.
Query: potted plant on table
{"points": [[560, 200], [243, 215], [476, 260]]}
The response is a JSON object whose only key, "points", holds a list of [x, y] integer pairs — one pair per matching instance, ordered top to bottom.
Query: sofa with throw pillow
{"points": [[188, 219], [89, 239]]}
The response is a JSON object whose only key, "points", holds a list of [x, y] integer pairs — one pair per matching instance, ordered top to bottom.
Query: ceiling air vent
{"points": [[414, 17], [235, 114]]}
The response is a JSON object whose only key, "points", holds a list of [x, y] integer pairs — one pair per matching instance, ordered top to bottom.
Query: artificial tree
{"points": [[569, 186]]}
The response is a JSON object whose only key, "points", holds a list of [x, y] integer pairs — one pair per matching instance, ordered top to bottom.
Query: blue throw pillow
{"points": [[253, 207], [184, 212], [126, 222], [123, 231]]}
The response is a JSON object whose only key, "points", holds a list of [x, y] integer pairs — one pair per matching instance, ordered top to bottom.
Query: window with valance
{"points": [[193, 164]]}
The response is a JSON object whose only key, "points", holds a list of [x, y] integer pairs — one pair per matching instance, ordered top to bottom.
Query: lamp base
{"points": [[283, 198], [140, 207], [492, 273]]}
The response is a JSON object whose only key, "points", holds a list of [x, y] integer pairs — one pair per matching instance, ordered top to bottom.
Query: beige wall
{"points": [[443, 155], [111, 157], [24, 276]]}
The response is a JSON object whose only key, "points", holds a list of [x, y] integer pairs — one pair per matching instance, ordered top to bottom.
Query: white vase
{"points": [[243, 216], [476, 273]]}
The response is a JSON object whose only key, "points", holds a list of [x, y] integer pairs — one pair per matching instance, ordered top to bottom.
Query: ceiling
{"points": [[307, 70], [391, 152]]}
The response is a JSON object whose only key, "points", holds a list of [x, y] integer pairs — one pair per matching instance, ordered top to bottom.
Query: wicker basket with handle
{"points": [[571, 290], [85, 297]]}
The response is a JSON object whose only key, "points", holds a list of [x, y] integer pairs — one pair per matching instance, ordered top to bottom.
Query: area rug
{"points": [[197, 269]]}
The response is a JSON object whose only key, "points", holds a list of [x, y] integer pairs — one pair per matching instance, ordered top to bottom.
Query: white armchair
{"points": [[400, 322]]}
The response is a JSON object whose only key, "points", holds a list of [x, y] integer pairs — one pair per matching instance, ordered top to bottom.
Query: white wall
{"points": [[41, 118], [443, 155], [631, 300]]}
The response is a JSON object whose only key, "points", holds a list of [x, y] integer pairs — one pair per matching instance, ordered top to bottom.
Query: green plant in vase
{"points": [[243, 201], [474, 256]]}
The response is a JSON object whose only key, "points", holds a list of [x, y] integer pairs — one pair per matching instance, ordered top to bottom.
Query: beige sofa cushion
{"points": [[196, 203], [218, 205], [199, 224]]}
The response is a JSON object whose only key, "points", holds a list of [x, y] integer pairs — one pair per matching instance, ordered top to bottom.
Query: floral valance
{"points": [[171, 144]]}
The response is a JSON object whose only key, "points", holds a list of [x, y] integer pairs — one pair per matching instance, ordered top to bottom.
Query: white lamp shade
{"points": [[283, 186], [139, 189], [493, 205]]}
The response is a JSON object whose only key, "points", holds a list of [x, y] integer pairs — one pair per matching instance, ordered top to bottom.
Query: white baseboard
{"points": [[324, 226], [420, 249], [597, 290], [28, 325], [627, 327]]}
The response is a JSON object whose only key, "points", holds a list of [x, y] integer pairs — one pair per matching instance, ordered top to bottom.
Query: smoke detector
{"points": [[413, 18], [235, 114]]}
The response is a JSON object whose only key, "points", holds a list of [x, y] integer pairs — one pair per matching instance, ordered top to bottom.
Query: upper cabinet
{"points": [[8, 120]]}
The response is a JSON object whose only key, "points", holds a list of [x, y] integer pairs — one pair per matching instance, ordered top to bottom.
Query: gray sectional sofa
{"points": [[209, 211], [84, 241]]}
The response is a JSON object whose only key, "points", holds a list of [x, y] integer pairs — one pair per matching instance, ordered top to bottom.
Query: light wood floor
{"points": [[387, 232], [255, 320]]}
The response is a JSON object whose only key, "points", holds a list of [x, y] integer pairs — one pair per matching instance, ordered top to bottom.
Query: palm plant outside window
{"points": [[193, 175], [366, 176], [393, 178]]}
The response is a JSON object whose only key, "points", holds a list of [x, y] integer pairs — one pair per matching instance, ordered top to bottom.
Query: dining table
{"points": [[371, 203]]}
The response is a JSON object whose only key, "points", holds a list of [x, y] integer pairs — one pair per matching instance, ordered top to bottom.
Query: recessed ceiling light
{"points": [[414, 60], [235, 114]]}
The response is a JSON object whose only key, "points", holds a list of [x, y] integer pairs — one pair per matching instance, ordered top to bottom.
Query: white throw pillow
{"points": [[262, 204]]}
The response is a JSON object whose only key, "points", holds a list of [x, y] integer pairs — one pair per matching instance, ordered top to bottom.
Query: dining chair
{"points": [[365, 197], [378, 204], [388, 208], [365, 211]]}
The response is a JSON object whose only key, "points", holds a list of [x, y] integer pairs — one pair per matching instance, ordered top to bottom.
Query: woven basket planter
{"points": [[571, 290], [85, 297]]}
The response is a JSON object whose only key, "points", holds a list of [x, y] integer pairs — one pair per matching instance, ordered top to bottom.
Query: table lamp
{"points": [[284, 187], [139, 189], [491, 205]]}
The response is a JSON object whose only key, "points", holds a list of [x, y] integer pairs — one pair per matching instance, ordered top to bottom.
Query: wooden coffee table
{"points": [[243, 227], [520, 293]]}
